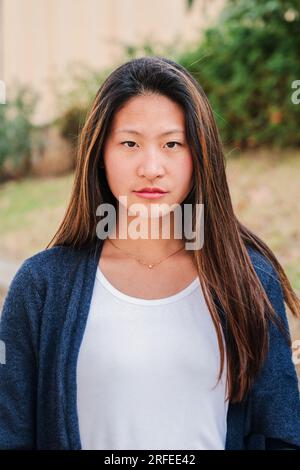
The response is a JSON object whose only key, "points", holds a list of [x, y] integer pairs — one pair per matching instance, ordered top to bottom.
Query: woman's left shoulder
{"points": [[264, 268], [272, 285]]}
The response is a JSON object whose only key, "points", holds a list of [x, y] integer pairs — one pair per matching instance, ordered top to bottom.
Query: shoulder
{"points": [[49, 257], [51, 260], [260, 262], [40, 266], [46, 269], [265, 270], [271, 282]]}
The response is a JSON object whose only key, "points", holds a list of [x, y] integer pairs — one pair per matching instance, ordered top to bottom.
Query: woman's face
{"points": [[147, 147]]}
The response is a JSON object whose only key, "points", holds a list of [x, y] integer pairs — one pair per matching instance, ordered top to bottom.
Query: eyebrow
{"points": [[132, 131]]}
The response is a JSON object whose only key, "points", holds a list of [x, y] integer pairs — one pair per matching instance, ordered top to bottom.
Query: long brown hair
{"points": [[224, 266]]}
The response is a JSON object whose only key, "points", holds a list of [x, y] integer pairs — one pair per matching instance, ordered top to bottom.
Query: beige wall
{"points": [[40, 38]]}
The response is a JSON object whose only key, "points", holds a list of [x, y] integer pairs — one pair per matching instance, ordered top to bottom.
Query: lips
{"points": [[150, 190]]}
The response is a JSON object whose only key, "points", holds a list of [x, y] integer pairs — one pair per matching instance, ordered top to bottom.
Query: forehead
{"points": [[141, 112]]}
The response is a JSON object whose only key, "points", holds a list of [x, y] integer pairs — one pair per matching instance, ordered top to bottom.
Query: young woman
{"points": [[126, 342]]}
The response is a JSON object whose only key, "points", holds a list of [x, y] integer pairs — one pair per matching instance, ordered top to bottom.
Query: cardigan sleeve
{"points": [[18, 368], [275, 399]]}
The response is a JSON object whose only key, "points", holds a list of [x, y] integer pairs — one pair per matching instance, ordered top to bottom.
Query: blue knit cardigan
{"points": [[42, 326]]}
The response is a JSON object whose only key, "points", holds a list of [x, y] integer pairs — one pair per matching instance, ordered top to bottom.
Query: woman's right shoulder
{"points": [[50, 256], [44, 262], [48, 267]]}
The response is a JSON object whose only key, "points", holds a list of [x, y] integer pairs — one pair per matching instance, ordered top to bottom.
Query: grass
{"points": [[265, 192], [19, 200], [30, 212]]}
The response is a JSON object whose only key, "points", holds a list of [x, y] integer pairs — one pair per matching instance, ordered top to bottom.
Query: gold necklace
{"points": [[150, 266]]}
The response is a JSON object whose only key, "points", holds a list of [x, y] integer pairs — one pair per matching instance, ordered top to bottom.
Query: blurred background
{"points": [[54, 55]]}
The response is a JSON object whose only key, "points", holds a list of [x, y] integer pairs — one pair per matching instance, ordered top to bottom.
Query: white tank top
{"points": [[146, 373]]}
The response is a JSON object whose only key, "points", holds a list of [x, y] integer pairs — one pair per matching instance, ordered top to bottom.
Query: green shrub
{"points": [[246, 65], [16, 130]]}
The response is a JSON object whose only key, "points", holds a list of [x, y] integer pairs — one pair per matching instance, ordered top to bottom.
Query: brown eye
{"points": [[128, 142], [178, 143]]}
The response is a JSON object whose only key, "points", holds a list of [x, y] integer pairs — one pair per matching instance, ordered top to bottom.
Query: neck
{"points": [[149, 246]]}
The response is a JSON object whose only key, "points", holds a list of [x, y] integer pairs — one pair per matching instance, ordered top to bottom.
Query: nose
{"points": [[151, 165]]}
